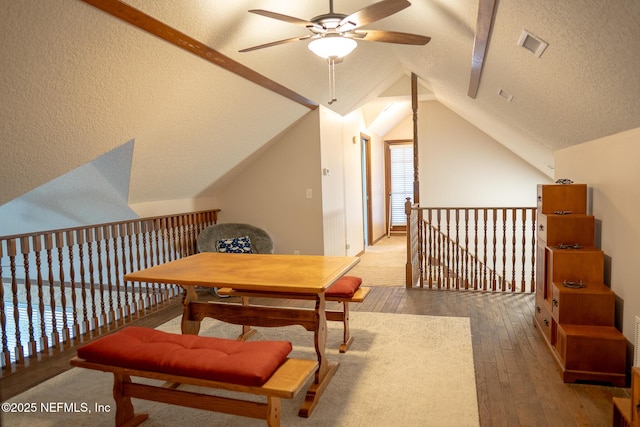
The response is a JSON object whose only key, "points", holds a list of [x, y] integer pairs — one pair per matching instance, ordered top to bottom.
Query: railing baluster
{"points": [[135, 229], [98, 237], [60, 242], [524, 243], [48, 246], [37, 248], [475, 248], [25, 249], [504, 249], [533, 249], [12, 250], [439, 252], [431, 256], [123, 259], [484, 259], [513, 262], [458, 269], [493, 269], [446, 271], [120, 310], [111, 313], [93, 325], [86, 327], [6, 354]]}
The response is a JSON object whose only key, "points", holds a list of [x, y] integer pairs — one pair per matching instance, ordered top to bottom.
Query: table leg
{"points": [[189, 326], [247, 330], [325, 370]]}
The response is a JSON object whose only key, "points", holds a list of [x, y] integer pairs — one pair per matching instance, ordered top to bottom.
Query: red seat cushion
{"points": [[344, 287], [218, 359]]}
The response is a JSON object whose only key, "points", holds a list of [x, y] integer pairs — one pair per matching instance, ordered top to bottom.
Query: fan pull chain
{"points": [[332, 79]]}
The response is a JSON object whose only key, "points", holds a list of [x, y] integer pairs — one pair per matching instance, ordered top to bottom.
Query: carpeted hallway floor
{"points": [[383, 264]]}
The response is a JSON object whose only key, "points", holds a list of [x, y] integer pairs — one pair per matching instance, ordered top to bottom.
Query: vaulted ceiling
{"points": [[76, 83], [583, 86]]}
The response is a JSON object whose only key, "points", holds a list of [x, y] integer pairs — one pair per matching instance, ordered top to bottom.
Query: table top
{"points": [[302, 274]]}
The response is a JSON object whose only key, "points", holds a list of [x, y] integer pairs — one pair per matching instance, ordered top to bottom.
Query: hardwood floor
{"points": [[517, 380]]}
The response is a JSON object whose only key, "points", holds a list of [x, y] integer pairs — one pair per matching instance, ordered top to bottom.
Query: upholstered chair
{"points": [[221, 238], [234, 238]]}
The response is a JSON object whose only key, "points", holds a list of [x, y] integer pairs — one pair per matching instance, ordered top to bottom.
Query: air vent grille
{"points": [[532, 43]]}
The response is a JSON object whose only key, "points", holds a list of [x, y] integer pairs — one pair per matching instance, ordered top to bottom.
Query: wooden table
{"points": [[275, 276]]}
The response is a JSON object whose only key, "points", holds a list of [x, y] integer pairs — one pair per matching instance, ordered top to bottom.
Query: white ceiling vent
{"points": [[532, 43]]}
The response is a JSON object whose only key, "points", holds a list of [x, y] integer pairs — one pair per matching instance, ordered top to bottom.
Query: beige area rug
{"points": [[383, 264], [402, 370]]}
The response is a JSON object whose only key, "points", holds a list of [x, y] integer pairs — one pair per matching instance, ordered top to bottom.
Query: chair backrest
{"points": [[261, 242]]}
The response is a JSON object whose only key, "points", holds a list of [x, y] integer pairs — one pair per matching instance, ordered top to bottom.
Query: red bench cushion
{"points": [[344, 287], [218, 359]]}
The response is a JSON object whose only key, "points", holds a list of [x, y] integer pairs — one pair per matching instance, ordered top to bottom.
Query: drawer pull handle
{"points": [[541, 227], [573, 285], [555, 302], [538, 309], [546, 322]]}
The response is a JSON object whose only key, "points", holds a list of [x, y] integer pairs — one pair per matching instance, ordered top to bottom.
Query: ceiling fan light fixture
{"points": [[332, 46]]}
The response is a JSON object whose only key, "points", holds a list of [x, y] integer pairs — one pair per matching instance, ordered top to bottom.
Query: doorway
{"points": [[365, 144], [398, 157]]}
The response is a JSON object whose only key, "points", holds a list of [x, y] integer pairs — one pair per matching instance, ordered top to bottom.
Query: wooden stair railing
{"points": [[488, 249], [66, 286]]}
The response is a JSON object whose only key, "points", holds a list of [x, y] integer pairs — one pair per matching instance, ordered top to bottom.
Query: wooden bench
{"points": [[345, 290], [263, 369]]}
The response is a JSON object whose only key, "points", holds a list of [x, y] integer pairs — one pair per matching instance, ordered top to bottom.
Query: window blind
{"points": [[401, 174]]}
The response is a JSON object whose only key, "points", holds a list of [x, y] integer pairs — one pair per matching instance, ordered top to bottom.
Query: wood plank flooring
{"points": [[517, 380]]}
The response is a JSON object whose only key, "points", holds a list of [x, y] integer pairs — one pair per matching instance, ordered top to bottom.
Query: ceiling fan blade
{"points": [[372, 13], [281, 17], [390, 37], [262, 46]]}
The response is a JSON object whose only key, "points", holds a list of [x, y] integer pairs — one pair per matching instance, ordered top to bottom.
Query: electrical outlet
{"points": [[309, 193], [296, 252]]}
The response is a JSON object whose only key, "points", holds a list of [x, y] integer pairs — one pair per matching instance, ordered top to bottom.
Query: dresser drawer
{"points": [[562, 197], [566, 229], [586, 264], [593, 304], [545, 322], [592, 352]]}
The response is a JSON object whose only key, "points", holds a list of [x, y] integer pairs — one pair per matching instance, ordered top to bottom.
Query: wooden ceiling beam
{"points": [[486, 11], [159, 29]]}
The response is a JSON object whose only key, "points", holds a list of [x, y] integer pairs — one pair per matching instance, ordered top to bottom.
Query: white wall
{"points": [[77, 83], [352, 126], [461, 166], [610, 167], [333, 191], [270, 192], [93, 193]]}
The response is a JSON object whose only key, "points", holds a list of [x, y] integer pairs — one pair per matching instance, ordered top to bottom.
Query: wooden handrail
{"points": [[67, 285]]}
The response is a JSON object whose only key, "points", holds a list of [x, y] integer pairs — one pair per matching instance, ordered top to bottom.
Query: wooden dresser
{"points": [[575, 310], [626, 411]]}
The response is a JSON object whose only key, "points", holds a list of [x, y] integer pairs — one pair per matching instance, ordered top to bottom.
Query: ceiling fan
{"points": [[338, 25], [334, 34]]}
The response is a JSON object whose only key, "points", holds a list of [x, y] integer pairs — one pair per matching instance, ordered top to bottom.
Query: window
{"points": [[399, 182]]}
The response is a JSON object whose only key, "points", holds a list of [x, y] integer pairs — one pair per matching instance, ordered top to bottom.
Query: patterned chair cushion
{"points": [[236, 245]]}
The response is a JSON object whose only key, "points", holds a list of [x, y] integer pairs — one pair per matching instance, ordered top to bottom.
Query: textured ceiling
{"points": [[77, 83], [584, 86]]}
